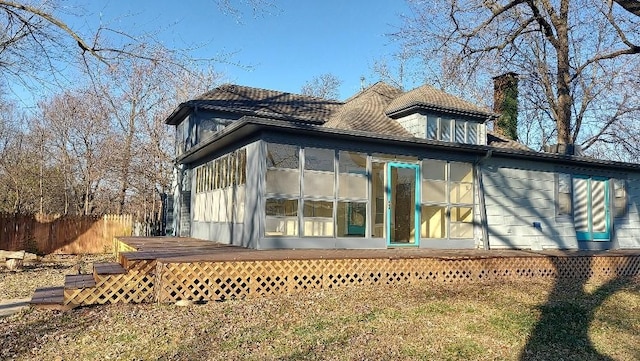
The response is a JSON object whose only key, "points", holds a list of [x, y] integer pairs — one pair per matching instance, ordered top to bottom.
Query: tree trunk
{"points": [[563, 82], [126, 159]]}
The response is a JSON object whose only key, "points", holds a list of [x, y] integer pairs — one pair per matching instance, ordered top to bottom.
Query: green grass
{"points": [[534, 320]]}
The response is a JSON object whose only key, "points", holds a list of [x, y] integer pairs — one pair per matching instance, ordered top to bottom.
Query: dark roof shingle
{"points": [[431, 98], [263, 103], [365, 111], [498, 141]]}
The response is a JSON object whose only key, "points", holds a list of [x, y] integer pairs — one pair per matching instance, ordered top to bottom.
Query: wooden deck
{"points": [[194, 250], [164, 269]]}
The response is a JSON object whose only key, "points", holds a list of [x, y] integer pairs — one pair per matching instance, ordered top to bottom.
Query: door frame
{"points": [[416, 168], [590, 235]]}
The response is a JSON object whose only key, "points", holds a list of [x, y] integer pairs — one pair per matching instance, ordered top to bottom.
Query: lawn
{"points": [[534, 320]]}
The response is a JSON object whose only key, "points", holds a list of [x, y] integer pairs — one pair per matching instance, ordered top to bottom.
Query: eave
{"points": [[414, 108], [251, 126]]}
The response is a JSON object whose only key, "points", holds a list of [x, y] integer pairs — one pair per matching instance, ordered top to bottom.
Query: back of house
{"points": [[266, 169]]}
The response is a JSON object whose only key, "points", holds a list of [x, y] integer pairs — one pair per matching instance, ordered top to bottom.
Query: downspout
{"points": [[483, 209]]}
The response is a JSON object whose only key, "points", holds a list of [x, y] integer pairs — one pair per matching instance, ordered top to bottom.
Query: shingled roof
{"points": [[431, 98], [261, 102], [365, 111], [498, 141]]}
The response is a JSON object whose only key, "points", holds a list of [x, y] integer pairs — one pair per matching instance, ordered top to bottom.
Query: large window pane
{"points": [[432, 128], [445, 130], [460, 130], [472, 133], [282, 156], [318, 159], [352, 162], [242, 166], [434, 169], [233, 170], [461, 172], [224, 179], [283, 182], [318, 184], [352, 186], [434, 191], [461, 193], [619, 198], [282, 207], [378, 207], [564, 207], [318, 209], [282, 217], [352, 217], [318, 218], [434, 222], [461, 222], [281, 226]]}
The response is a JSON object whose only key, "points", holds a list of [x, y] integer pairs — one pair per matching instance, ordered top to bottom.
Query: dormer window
{"points": [[453, 130]]}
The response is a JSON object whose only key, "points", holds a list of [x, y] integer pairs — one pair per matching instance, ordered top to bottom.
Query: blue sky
{"points": [[282, 49]]}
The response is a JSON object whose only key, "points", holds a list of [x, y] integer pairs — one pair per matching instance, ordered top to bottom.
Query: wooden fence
{"points": [[45, 234]]}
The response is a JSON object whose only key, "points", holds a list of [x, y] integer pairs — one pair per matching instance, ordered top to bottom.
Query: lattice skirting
{"points": [[222, 280], [134, 286]]}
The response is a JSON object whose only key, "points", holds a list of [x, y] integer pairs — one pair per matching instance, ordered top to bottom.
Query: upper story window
{"points": [[454, 130]]}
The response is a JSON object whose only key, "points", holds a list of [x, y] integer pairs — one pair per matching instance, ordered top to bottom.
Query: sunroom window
{"points": [[318, 183], [283, 189], [352, 194], [447, 200]]}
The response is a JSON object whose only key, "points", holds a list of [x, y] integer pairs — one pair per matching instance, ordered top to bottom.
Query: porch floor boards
{"points": [[185, 250]]}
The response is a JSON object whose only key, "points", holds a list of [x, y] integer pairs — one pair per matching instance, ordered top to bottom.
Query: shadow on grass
{"points": [[562, 333], [25, 338]]}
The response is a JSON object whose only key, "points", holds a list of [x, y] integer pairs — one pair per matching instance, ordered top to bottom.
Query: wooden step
{"points": [[108, 268], [74, 282], [49, 297]]}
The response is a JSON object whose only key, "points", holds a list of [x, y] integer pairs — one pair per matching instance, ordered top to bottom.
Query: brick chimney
{"points": [[505, 103]]}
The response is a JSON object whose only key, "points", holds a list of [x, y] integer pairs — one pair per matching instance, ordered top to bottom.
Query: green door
{"points": [[403, 204]]}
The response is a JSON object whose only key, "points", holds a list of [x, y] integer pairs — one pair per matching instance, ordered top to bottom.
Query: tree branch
{"points": [[632, 6], [57, 23]]}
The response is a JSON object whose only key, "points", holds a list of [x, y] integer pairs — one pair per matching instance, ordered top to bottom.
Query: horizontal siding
{"points": [[516, 198], [627, 229]]}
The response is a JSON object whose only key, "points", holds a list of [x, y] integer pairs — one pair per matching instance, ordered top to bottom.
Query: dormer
{"points": [[429, 113]]}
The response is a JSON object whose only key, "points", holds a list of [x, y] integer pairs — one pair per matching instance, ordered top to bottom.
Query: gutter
{"points": [[248, 125]]}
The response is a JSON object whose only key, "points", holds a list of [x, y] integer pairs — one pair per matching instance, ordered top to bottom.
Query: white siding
{"points": [[416, 124], [515, 199], [627, 229]]}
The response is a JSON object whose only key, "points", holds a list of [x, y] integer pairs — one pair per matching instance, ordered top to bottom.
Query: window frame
{"points": [[448, 205]]}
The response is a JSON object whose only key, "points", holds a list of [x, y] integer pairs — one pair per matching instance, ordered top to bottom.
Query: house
{"points": [[266, 169]]}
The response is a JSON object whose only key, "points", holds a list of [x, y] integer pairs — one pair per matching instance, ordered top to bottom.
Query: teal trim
{"points": [[416, 169], [353, 230], [590, 235]]}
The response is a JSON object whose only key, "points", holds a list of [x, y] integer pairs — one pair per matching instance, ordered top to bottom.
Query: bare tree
{"points": [[36, 44], [574, 57], [324, 86], [137, 94], [80, 138]]}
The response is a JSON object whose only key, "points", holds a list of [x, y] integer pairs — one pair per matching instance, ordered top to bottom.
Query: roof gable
{"points": [[428, 97]]}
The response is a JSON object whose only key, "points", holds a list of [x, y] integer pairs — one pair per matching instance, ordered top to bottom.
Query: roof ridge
{"points": [[226, 86], [369, 88]]}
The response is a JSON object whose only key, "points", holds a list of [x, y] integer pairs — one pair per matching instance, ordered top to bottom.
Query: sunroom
{"points": [[340, 198]]}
